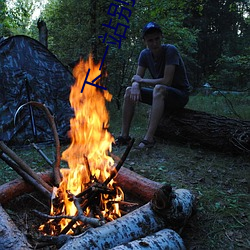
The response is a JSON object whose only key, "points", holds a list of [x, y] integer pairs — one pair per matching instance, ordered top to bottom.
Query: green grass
{"points": [[234, 106], [220, 181]]}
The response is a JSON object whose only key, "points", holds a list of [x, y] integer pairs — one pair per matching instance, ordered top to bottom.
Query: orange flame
{"points": [[90, 139]]}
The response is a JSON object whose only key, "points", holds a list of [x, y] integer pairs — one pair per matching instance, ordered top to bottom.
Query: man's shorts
{"points": [[175, 99]]}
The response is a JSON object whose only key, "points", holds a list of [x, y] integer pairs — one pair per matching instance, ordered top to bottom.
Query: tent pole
{"points": [[33, 125]]}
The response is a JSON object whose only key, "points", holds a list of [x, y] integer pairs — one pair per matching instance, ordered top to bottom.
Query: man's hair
{"points": [[150, 28]]}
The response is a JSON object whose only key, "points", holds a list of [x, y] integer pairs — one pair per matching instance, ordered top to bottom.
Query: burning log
{"points": [[216, 132], [140, 187], [165, 210], [10, 237], [163, 239]]}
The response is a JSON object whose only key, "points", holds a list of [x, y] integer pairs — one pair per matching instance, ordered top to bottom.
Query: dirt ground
{"points": [[220, 182]]}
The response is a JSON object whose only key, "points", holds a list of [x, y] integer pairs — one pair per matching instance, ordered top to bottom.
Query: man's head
{"points": [[150, 28], [152, 36]]}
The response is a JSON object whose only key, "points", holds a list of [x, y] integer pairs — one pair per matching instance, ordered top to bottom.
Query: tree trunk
{"points": [[43, 32], [212, 131], [10, 237]]}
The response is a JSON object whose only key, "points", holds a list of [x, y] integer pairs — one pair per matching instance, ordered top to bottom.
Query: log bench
{"points": [[211, 131]]}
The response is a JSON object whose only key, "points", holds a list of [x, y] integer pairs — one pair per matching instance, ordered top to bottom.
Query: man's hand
{"points": [[136, 78], [135, 93]]}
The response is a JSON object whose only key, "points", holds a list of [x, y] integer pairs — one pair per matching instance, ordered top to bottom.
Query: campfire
{"points": [[87, 188], [87, 198]]}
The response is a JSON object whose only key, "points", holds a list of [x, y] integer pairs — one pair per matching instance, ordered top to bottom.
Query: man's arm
{"points": [[166, 80], [135, 93]]}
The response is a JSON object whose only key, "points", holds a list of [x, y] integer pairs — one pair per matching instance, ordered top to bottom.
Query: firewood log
{"points": [[131, 182], [137, 185], [18, 187], [166, 208], [10, 237], [163, 239]]}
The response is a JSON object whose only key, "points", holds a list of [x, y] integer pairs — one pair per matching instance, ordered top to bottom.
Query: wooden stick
{"points": [[120, 163], [23, 165], [57, 174], [26, 176]]}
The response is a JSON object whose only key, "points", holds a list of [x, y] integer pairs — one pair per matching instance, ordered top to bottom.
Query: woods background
{"points": [[213, 36]]}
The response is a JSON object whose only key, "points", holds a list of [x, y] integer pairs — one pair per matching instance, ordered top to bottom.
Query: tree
{"points": [[4, 20], [80, 25], [223, 32]]}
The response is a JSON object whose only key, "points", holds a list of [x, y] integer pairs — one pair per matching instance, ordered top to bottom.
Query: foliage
{"points": [[20, 15], [4, 19], [223, 31], [212, 36], [232, 72]]}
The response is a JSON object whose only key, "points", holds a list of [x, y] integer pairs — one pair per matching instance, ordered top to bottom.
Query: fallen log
{"points": [[212, 131], [148, 219], [10, 237], [163, 239]]}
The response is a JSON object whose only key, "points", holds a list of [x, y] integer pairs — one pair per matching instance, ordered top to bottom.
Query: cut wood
{"points": [[211, 131], [131, 182], [137, 185], [18, 187], [150, 218], [139, 223], [10, 237], [162, 240]]}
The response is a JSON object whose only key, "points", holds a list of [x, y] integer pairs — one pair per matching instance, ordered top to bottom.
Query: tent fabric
{"points": [[29, 71]]}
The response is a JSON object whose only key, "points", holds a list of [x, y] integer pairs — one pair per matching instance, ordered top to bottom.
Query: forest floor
{"points": [[219, 180]]}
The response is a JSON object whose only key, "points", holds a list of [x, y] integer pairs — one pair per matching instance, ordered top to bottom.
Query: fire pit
{"points": [[86, 198]]}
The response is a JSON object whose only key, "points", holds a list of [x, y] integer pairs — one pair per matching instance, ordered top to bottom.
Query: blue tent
{"points": [[30, 72]]}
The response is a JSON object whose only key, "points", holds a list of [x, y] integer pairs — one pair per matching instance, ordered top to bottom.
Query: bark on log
{"points": [[212, 131], [131, 182], [140, 187], [15, 188], [150, 218], [139, 223], [10, 237], [163, 239]]}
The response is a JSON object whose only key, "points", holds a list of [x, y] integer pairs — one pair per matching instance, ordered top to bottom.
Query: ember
{"points": [[87, 188]]}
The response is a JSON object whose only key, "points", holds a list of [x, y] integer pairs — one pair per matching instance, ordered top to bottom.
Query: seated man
{"points": [[169, 86]]}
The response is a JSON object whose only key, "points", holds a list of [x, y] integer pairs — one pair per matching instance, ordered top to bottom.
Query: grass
{"points": [[219, 180]]}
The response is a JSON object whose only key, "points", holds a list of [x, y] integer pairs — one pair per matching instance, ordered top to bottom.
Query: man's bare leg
{"points": [[128, 110], [156, 113]]}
